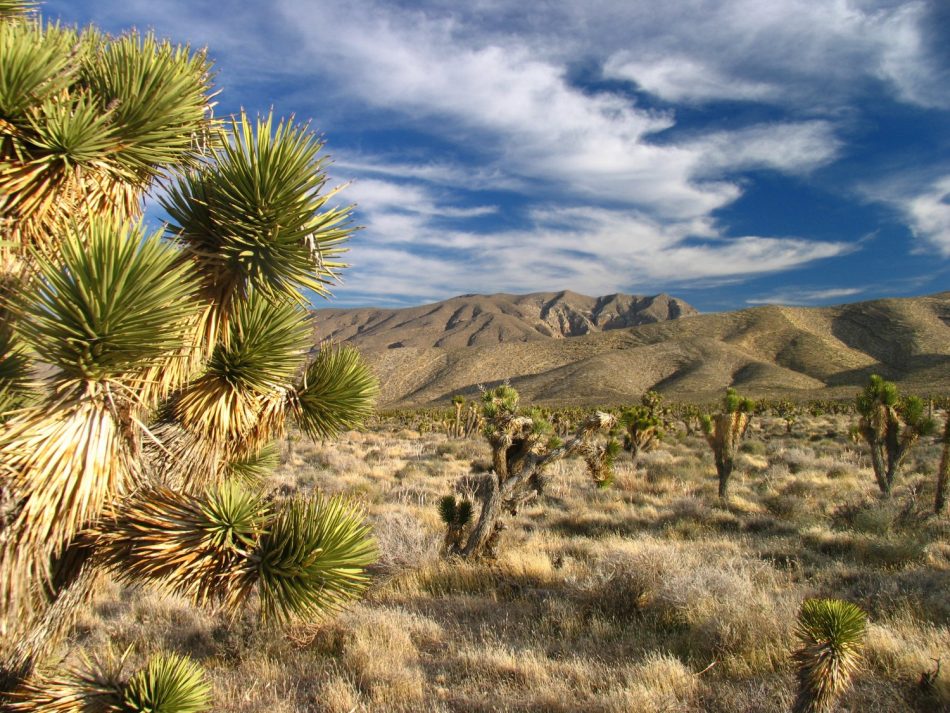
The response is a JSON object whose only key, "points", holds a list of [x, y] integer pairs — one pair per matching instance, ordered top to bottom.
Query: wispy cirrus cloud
{"points": [[498, 145], [922, 201], [929, 214], [592, 250], [805, 296]]}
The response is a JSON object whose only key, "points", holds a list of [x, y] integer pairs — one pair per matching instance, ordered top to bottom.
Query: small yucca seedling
{"points": [[831, 632], [168, 684]]}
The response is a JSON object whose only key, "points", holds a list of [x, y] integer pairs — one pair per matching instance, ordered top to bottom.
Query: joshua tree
{"points": [[145, 376], [458, 401], [788, 412], [467, 421], [890, 424], [643, 425], [724, 431], [523, 445], [943, 472], [831, 635]]}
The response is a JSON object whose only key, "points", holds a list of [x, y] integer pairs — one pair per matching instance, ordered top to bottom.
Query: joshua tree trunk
{"points": [[724, 471], [882, 473], [943, 473], [487, 519]]}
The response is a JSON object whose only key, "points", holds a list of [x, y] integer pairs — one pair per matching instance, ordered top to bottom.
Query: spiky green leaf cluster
{"points": [[15, 8], [37, 65], [156, 94], [88, 122], [254, 216], [116, 302], [267, 345], [15, 388], [338, 391], [877, 392], [502, 398], [734, 403], [913, 412], [541, 427], [253, 467], [455, 513], [195, 546], [307, 558], [312, 559], [831, 633], [168, 684]]}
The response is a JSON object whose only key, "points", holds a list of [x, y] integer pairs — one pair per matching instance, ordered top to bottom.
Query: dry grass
{"points": [[649, 596]]}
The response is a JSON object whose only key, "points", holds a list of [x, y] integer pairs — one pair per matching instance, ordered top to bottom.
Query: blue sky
{"points": [[731, 153]]}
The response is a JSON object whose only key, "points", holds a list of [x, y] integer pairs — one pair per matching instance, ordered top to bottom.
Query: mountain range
{"points": [[566, 348]]}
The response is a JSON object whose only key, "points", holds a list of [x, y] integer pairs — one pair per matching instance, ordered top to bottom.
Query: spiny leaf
{"points": [[256, 215], [115, 305], [338, 391], [67, 461], [447, 509], [195, 546], [312, 559], [831, 632], [168, 684], [96, 686]]}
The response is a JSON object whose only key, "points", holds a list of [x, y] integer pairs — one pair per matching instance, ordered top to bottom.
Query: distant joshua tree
{"points": [[144, 377], [890, 424], [642, 425], [723, 432], [523, 446]]}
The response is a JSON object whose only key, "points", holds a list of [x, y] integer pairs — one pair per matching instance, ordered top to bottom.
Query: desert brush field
{"points": [[649, 595]]}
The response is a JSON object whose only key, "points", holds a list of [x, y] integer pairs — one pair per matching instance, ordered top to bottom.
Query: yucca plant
{"points": [[145, 376], [890, 424], [642, 425], [723, 432], [524, 446], [831, 636], [168, 683]]}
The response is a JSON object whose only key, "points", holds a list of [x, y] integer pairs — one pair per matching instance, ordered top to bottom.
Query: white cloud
{"points": [[800, 53], [683, 79], [526, 119], [787, 147], [375, 196], [923, 203], [929, 214], [592, 250], [790, 296]]}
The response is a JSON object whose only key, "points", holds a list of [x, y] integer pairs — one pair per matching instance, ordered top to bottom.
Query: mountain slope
{"points": [[476, 320], [764, 351]]}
